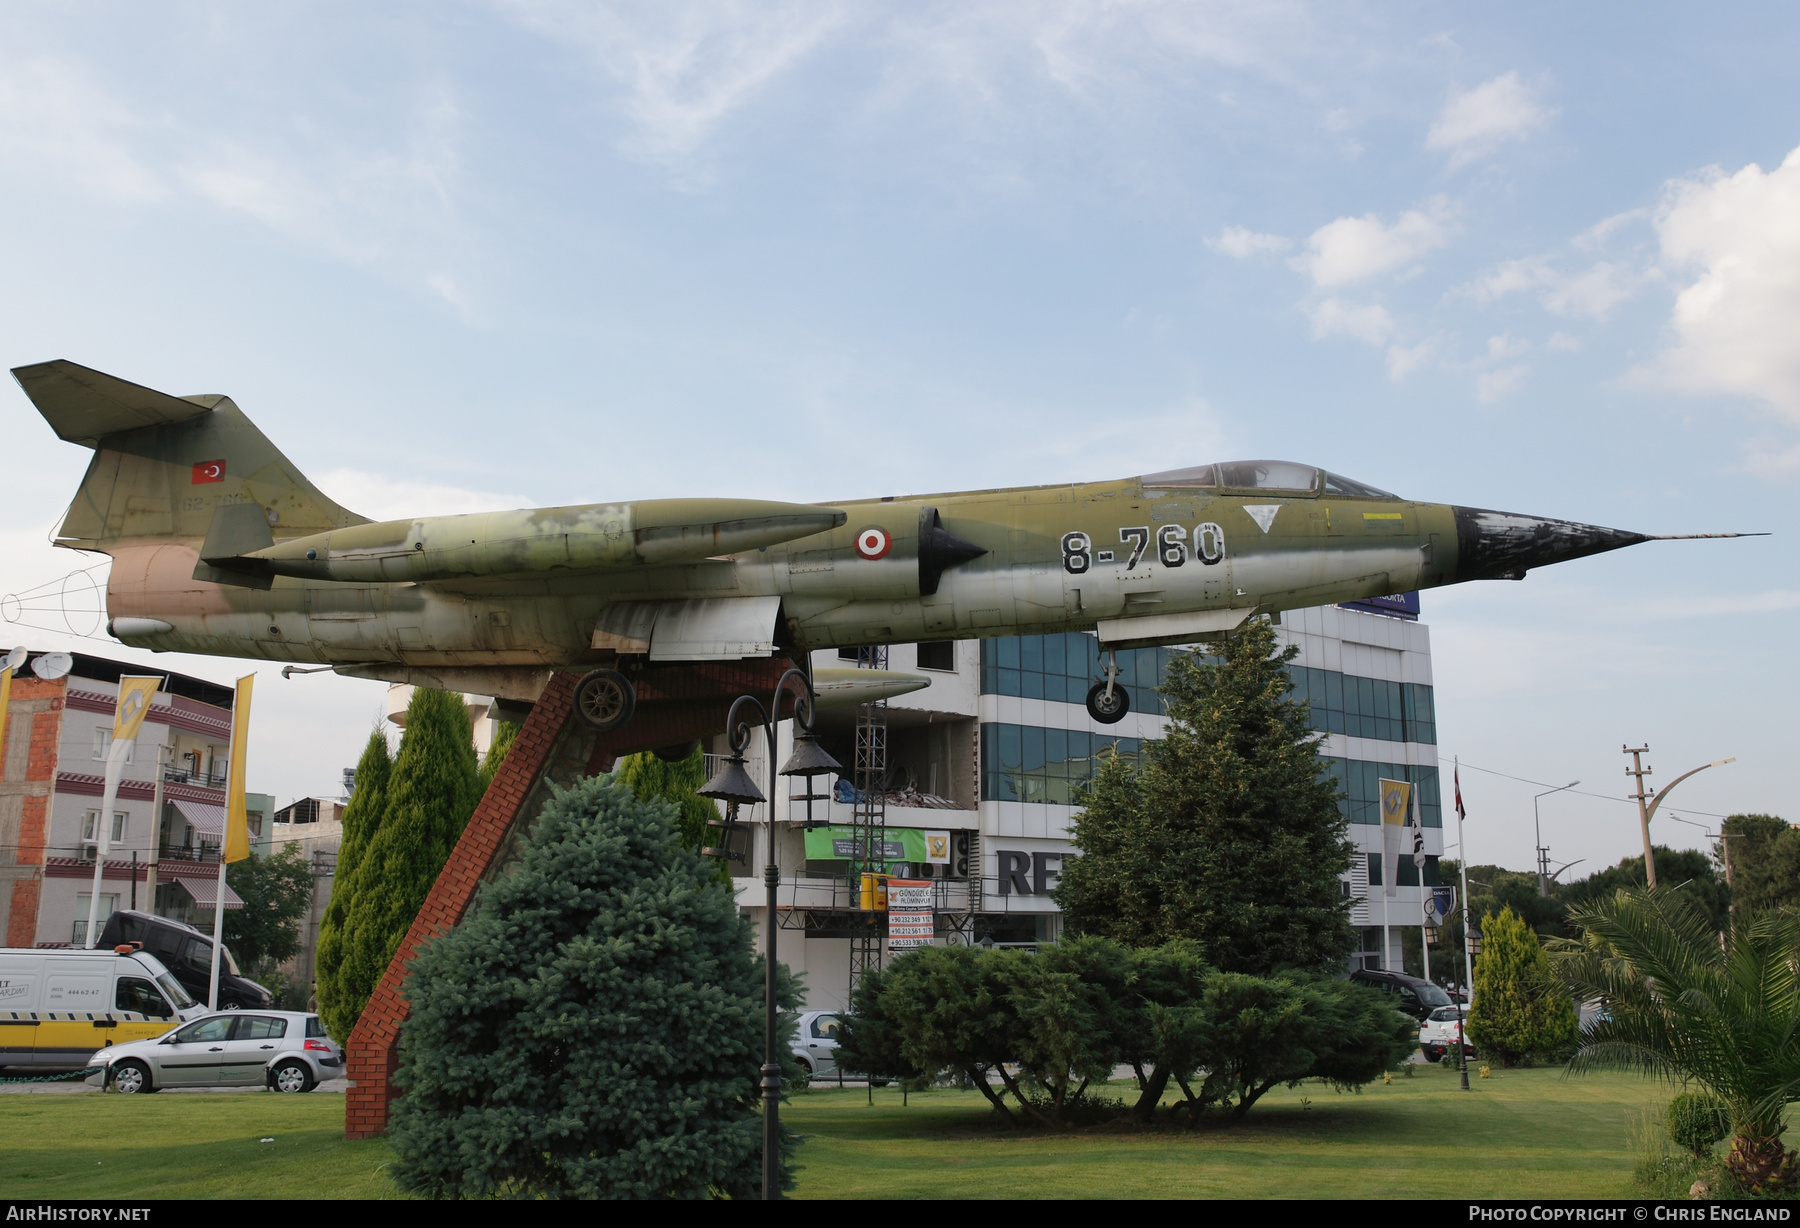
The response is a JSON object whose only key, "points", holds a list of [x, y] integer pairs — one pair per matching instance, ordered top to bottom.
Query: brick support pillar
{"points": [[676, 705]]}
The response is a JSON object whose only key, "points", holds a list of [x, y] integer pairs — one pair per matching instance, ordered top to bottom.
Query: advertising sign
{"points": [[838, 843], [1440, 902], [911, 922]]}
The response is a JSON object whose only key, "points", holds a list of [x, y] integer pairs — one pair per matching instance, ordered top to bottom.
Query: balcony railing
{"points": [[182, 776]]}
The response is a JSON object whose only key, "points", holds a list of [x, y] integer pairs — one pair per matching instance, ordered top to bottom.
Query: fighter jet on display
{"points": [[220, 545]]}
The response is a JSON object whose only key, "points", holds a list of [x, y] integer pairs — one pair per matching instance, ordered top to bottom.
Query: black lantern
{"points": [[732, 785]]}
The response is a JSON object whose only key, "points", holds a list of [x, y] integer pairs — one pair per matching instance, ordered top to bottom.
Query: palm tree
{"points": [[1684, 1002]]}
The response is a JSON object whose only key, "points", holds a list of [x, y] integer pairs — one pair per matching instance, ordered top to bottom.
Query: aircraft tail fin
{"points": [[164, 466]]}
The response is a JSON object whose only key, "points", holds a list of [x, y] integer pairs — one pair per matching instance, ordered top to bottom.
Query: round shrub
{"points": [[1697, 1121]]}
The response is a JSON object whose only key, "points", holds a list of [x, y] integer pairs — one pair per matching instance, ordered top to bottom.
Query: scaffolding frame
{"points": [[868, 821]]}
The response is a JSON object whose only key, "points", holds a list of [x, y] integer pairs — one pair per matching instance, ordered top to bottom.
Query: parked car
{"points": [[187, 953], [1411, 995], [1438, 1034], [816, 1042], [287, 1051]]}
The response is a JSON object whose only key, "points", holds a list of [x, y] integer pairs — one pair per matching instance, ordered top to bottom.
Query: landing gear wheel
{"points": [[605, 700], [1107, 711], [678, 753]]}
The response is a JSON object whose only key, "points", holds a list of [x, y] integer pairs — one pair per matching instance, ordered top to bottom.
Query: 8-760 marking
{"points": [[1171, 546]]}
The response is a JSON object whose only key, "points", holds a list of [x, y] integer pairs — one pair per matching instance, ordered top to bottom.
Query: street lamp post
{"points": [[733, 786], [1645, 813], [1722, 836], [1542, 852], [1471, 948]]}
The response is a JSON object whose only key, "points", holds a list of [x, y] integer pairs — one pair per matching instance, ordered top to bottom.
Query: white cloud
{"points": [[686, 68], [55, 113], [1475, 121], [1241, 243], [1352, 249], [1510, 277], [1595, 291], [1589, 294], [1367, 322], [1733, 324], [1563, 343], [1403, 360], [1490, 386], [383, 497]]}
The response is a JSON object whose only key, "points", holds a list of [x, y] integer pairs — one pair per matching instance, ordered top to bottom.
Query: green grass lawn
{"points": [[1519, 1134], [105, 1145]]}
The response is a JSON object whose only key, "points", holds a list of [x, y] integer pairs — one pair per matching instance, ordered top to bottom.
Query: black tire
{"points": [[605, 700], [1102, 711], [678, 753], [232, 1005], [1434, 1055], [805, 1065], [291, 1076], [131, 1077]]}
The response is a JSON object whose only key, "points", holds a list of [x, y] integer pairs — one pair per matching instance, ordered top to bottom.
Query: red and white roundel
{"points": [[873, 543]]}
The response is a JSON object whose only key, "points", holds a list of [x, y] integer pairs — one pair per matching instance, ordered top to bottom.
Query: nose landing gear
{"points": [[605, 700], [1107, 701]]}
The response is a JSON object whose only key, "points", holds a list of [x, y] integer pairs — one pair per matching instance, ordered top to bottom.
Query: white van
{"points": [[58, 1006]]}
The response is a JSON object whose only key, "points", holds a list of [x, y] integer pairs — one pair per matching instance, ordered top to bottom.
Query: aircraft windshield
{"points": [[1242, 475], [1270, 475], [1336, 485]]}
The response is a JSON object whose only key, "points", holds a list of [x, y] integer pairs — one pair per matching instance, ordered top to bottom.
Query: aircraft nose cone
{"points": [[1503, 545]]}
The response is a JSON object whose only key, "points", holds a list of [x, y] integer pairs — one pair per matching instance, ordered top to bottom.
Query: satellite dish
{"points": [[15, 658], [52, 665]]}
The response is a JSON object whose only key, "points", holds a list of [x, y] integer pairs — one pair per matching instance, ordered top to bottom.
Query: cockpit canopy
{"points": [[1284, 477]]}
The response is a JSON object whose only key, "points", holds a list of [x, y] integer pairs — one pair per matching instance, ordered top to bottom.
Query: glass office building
{"points": [[1367, 679]]}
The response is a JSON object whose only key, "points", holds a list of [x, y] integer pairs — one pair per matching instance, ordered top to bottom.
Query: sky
{"points": [[457, 256]]}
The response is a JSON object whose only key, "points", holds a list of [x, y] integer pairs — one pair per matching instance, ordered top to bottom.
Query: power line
{"points": [[1605, 797]]}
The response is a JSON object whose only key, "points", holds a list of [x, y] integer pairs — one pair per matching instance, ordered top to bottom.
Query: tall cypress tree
{"points": [[504, 737], [652, 778], [431, 792], [362, 818], [1230, 835], [1519, 1007]]}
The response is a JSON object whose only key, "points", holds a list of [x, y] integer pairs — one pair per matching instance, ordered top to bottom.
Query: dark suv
{"points": [[187, 953], [1411, 995]]}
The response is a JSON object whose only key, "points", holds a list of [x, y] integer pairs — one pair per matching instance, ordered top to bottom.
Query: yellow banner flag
{"points": [[135, 694], [5, 703], [1395, 797], [237, 819]]}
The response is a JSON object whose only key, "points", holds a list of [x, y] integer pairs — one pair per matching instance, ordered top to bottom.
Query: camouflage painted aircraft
{"points": [[220, 545]]}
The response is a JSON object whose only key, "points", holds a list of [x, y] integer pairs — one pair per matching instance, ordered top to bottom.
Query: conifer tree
{"points": [[504, 737], [651, 778], [431, 792], [362, 817], [1230, 835], [1519, 1008], [593, 1029]]}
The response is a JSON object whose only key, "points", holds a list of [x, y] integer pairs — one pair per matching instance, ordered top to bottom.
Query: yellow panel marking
{"points": [[1381, 516]]}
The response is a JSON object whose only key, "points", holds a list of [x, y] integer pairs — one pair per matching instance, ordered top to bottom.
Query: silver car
{"points": [[816, 1042], [286, 1051]]}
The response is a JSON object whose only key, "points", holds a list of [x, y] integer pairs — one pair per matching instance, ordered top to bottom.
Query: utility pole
{"points": [[1638, 771], [1645, 813], [1543, 852]]}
